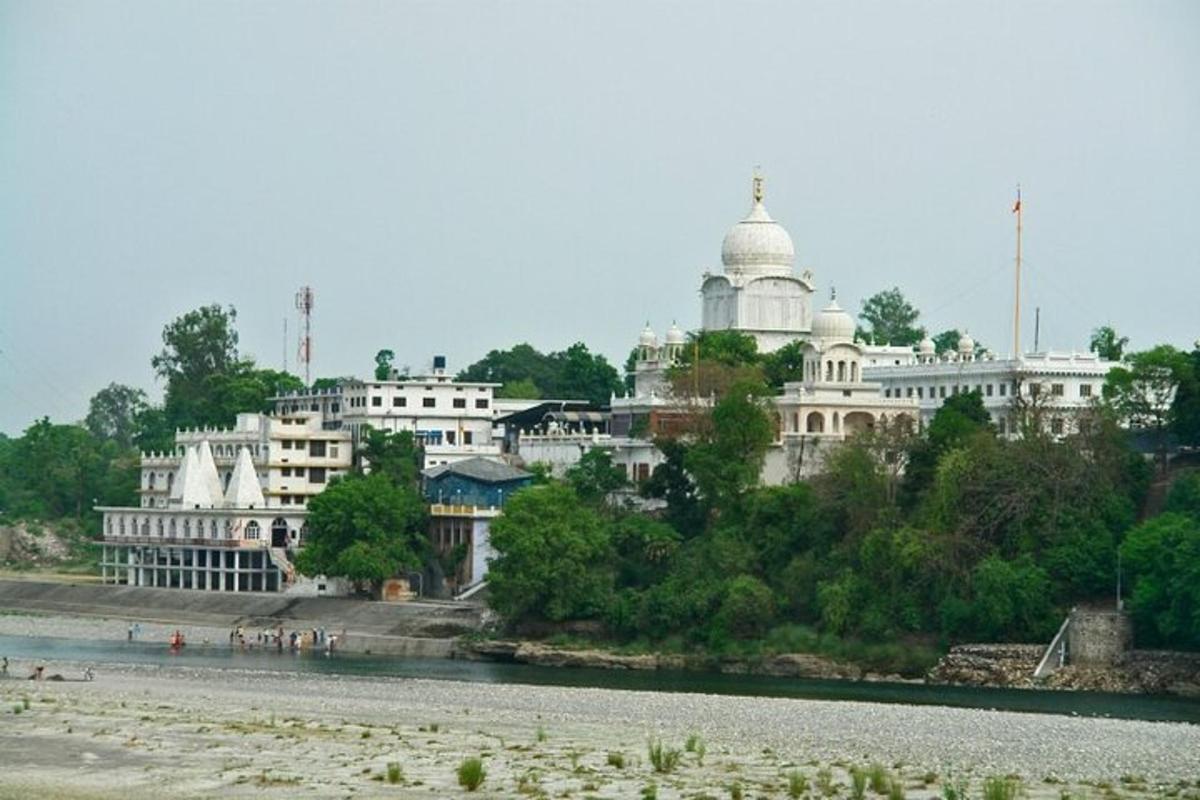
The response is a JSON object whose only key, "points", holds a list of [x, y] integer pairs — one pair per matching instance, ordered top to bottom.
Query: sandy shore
{"points": [[184, 732]]}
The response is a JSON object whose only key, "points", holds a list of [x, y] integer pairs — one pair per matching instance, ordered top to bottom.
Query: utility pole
{"points": [[1017, 293]]}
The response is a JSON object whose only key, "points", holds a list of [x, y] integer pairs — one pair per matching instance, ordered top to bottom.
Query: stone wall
{"points": [[1098, 637]]}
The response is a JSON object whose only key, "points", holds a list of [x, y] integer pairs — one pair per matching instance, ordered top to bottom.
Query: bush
{"points": [[1162, 556], [748, 609], [663, 759], [394, 773], [471, 774], [797, 784], [1001, 789]]}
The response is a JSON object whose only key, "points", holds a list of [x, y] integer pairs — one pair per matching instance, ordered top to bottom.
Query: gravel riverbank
{"points": [[144, 731]]}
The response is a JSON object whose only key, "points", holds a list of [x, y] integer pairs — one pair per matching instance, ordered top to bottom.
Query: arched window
{"points": [[829, 370], [841, 372], [854, 372], [816, 421], [228, 478], [151, 480], [170, 481], [121, 525], [108, 526], [145, 526], [171, 528], [187, 528], [212, 528], [252, 530], [279, 532], [303, 539]]}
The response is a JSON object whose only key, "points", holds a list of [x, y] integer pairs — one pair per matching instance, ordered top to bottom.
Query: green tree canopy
{"points": [[891, 319], [947, 341], [1107, 344], [383, 364], [784, 365], [572, 374], [1141, 391], [113, 414], [395, 455], [727, 459], [594, 476], [364, 528], [554, 557], [1162, 557]]}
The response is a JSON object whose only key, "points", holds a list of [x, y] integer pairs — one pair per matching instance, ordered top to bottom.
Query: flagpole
{"points": [[1017, 293]]}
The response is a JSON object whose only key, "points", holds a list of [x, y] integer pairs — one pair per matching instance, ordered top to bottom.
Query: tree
{"points": [[891, 318], [947, 341], [198, 344], [1107, 344], [731, 348], [383, 364], [784, 365], [574, 373], [582, 374], [523, 389], [1141, 390], [1185, 409], [113, 414], [959, 418], [397, 456], [728, 458], [594, 477], [670, 481], [364, 528], [553, 557], [1162, 557], [1012, 601], [747, 610]]}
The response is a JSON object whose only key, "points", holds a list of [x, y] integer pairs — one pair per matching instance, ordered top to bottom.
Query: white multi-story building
{"points": [[1057, 385], [452, 420], [293, 454]]}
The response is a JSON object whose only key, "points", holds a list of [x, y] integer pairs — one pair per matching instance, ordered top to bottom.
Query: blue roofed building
{"points": [[464, 497]]}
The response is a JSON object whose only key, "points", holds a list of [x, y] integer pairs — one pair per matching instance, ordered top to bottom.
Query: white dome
{"points": [[758, 244], [833, 322], [675, 334], [647, 338], [966, 345], [927, 347]]}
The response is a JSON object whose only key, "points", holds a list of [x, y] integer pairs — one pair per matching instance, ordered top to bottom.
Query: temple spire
{"points": [[758, 185]]}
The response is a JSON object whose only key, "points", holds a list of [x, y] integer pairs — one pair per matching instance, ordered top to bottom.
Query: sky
{"points": [[451, 177]]}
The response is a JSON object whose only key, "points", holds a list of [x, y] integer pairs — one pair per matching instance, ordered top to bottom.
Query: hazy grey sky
{"points": [[454, 177]]}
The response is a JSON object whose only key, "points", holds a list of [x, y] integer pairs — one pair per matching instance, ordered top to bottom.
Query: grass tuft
{"points": [[663, 759], [617, 760], [394, 773], [471, 773], [878, 778], [858, 783], [797, 785], [1001, 789]]}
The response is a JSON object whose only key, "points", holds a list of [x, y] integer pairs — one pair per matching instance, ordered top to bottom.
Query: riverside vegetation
{"points": [[906, 542]]}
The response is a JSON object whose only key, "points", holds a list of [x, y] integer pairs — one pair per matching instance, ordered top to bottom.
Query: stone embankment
{"points": [[787, 665], [1012, 666]]}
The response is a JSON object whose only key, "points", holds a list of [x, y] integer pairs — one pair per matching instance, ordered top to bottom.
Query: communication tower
{"points": [[304, 304]]}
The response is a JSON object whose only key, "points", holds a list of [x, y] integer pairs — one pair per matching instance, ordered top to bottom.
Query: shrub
{"points": [[747, 610], [541, 734], [663, 759], [617, 760], [394, 773], [471, 773], [878, 778], [825, 782], [797, 783], [858, 783], [895, 789], [1000, 789], [650, 791], [735, 791]]}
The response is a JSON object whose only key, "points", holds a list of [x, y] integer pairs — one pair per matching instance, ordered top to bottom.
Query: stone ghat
{"points": [[1136, 672]]}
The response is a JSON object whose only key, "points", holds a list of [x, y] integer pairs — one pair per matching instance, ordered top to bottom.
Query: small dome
{"points": [[758, 244], [833, 323], [675, 334], [647, 338], [966, 345], [927, 347]]}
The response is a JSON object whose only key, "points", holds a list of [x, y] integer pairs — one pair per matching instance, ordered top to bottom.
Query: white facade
{"points": [[757, 292], [1060, 385], [452, 420], [293, 455]]}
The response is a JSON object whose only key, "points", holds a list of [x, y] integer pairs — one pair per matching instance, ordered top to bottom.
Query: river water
{"points": [[102, 652]]}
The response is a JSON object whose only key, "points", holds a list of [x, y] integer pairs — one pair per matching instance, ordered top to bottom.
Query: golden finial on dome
{"points": [[758, 185]]}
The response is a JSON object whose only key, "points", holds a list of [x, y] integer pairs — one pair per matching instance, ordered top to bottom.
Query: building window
{"points": [[954, 389], [988, 389], [1003, 389], [1035, 389], [1056, 389], [1085, 390], [908, 392], [920, 392], [376, 401], [399, 402], [428, 402], [460, 402], [481, 402], [335, 408], [1000, 422], [1056, 426], [450, 435], [468, 437], [287, 444], [316, 449], [333, 451], [286, 472], [298, 472], [316, 475], [151, 484], [285, 500], [171, 528], [187, 528], [252, 530]]}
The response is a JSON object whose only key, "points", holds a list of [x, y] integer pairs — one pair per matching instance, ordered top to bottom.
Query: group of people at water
{"points": [[314, 639]]}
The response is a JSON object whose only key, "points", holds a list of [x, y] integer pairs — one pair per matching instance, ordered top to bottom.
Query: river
{"points": [[101, 652]]}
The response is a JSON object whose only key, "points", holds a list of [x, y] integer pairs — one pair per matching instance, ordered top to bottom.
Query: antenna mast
{"points": [[1017, 293], [304, 303]]}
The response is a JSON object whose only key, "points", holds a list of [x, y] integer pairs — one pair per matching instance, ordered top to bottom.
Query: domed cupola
{"points": [[758, 245], [833, 323], [675, 334], [647, 344], [966, 345], [927, 347]]}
